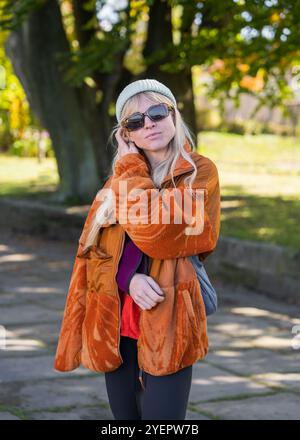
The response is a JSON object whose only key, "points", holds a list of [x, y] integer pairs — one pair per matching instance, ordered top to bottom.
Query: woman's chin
{"points": [[156, 144]]}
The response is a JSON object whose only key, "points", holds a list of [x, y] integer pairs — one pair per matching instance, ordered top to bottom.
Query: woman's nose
{"points": [[148, 121]]}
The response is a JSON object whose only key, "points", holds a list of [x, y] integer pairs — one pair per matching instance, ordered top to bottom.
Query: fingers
{"points": [[121, 137], [125, 146], [155, 287], [145, 291], [151, 294], [146, 303]]}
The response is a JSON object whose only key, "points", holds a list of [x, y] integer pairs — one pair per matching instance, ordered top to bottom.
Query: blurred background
{"points": [[234, 67]]}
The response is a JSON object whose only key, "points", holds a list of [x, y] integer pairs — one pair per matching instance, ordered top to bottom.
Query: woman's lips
{"points": [[152, 135]]}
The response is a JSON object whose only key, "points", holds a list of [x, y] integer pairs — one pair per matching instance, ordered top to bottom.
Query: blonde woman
{"points": [[134, 308]]}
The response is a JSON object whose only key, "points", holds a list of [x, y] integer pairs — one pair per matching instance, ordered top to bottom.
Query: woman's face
{"points": [[165, 129]]}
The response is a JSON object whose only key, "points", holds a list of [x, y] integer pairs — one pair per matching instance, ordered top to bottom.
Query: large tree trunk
{"points": [[180, 83], [69, 114]]}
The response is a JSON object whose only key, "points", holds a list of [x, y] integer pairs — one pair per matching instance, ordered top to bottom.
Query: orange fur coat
{"points": [[173, 334]]}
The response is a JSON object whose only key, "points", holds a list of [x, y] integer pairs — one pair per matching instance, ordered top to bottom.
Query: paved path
{"points": [[251, 372]]}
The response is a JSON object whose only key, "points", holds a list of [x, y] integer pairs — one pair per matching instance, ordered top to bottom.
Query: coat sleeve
{"points": [[161, 239], [67, 355]]}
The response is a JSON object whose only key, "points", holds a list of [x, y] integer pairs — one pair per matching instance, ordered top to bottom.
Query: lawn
{"points": [[26, 177], [259, 179], [260, 185]]}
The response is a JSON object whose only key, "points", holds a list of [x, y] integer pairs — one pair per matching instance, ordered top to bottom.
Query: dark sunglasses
{"points": [[155, 112]]}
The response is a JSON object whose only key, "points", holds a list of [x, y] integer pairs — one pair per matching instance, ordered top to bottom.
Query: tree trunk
{"points": [[180, 83], [69, 114]]}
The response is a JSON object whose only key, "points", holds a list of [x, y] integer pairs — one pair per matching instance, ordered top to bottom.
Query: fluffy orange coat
{"points": [[173, 334]]}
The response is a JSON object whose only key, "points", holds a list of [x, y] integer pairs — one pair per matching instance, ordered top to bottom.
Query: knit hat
{"points": [[141, 85]]}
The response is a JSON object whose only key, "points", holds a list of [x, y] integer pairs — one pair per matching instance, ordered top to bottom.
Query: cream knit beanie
{"points": [[141, 85]]}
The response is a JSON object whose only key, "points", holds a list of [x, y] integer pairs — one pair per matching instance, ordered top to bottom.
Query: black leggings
{"points": [[164, 397]]}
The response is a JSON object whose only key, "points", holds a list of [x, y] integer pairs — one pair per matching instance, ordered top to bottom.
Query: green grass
{"points": [[26, 177], [259, 179], [260, 185]]}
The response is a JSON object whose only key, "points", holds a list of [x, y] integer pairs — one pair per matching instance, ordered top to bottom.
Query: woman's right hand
{"points": [[125, 146], [145, 292]]}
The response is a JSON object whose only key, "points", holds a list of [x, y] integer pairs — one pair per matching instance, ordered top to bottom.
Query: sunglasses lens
{"points": [[156, 113], [135, 122]]}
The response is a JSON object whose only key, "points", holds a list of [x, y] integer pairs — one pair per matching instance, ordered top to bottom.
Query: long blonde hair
{"points": [[175, 147]]}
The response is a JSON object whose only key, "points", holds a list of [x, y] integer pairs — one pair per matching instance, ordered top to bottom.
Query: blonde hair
{"points": [[175, 146]]}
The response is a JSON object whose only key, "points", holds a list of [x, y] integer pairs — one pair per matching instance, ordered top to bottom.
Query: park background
{"points": [[234, 67]]}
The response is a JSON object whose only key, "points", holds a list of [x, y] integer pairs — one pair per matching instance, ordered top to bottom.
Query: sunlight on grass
{"points": [[266, 150], [263, 165], [20, 176], [260, 185]]}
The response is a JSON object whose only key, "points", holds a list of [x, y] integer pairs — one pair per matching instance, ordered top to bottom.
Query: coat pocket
{"points": [[99, 267], [194, 304], [189, 306], [194, 321]]}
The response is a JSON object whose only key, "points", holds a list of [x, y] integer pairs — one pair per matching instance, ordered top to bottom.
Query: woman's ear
{"points": [[125, 135]]}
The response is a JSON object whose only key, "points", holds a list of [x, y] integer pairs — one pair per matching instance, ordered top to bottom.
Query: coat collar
{"points": [[182, 165]]}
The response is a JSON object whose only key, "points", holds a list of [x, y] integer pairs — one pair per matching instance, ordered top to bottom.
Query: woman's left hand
{"points": [[124, 145]]}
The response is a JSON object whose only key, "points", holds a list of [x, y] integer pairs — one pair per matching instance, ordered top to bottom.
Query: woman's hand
{"points": [[125, 146], [144, 291]]}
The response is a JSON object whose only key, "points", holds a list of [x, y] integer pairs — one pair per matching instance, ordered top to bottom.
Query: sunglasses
{"points": [[155, 113]]}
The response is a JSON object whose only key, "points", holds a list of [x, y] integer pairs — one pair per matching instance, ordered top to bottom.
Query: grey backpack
{"points": [[209, 294]]}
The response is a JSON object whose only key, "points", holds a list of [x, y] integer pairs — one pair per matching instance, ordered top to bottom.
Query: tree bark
{"points": [[180, 83], [69, 114]]}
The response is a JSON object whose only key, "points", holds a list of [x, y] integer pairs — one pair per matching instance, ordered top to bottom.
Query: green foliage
{"points": [[13, 12], [244, 46], [79, 64], [15, 114], [19, 134], [33, 144]]}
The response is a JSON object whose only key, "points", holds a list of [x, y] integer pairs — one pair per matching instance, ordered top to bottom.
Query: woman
{"points": [[134, 302]]}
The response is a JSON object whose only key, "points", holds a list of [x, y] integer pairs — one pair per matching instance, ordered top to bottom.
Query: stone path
{"points": [[252, 370]]}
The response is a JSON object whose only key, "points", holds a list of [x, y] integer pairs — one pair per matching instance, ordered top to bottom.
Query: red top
{"points": [[132, 261], [130, 316]]}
